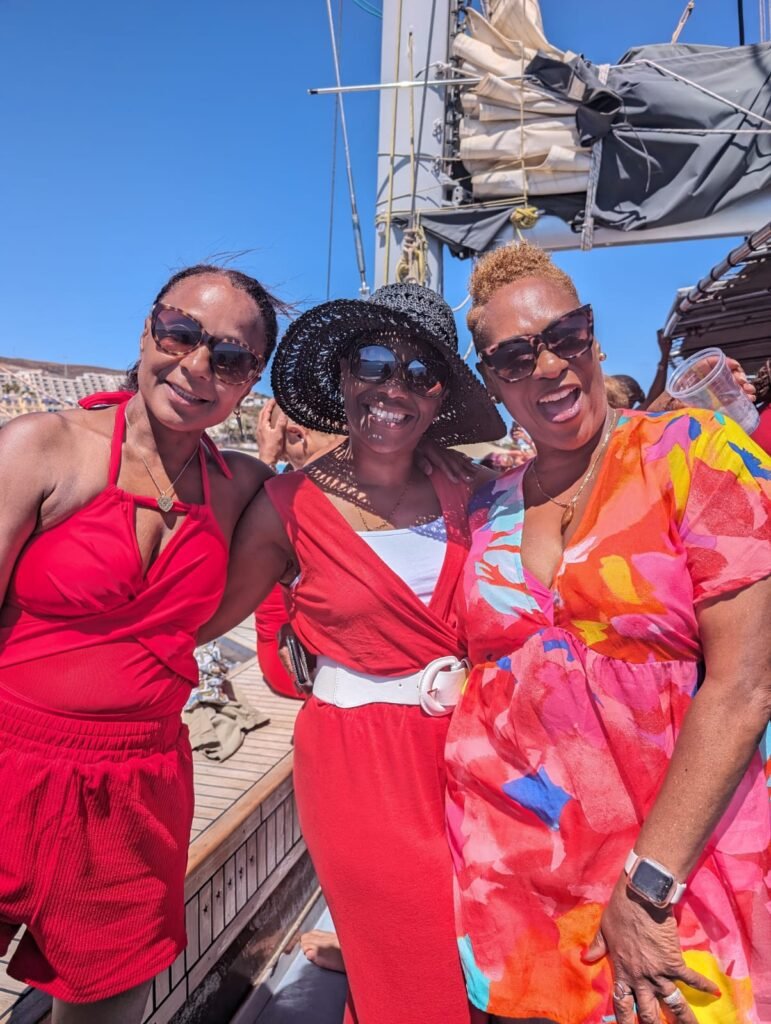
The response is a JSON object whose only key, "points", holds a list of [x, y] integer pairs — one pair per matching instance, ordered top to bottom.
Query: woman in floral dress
{"points": [[605, 750]]}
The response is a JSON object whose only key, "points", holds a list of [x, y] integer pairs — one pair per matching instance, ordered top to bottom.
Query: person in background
{"points": [[623, 391], [762, 433], [280, 440], [499, 462], [607, 806]]}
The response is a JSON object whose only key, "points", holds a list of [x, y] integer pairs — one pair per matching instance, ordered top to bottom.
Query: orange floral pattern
{"points": [[566, 727]]}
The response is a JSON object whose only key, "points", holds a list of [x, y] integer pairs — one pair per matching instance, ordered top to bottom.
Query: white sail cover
{"points": [[515, 138]]}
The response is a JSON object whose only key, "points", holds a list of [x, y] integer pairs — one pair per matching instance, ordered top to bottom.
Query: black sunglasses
{"points": [[178, 333], [567, 337], [375, 364]]}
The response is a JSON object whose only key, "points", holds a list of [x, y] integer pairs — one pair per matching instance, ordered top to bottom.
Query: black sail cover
{"points": [[671, 153], [654, 170]]}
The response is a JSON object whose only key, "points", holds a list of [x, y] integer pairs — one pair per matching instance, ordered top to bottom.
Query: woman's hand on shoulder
{"points": [[456, 466]]}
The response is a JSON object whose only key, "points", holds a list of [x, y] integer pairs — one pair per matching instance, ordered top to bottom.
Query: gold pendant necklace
{"points": [[164, 501], [569, 507]]}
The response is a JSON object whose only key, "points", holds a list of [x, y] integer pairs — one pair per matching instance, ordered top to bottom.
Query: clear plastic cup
{"points": [[706, 382]]}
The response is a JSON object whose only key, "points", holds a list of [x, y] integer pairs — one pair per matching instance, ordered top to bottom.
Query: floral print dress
{"points": [[565, 730]]}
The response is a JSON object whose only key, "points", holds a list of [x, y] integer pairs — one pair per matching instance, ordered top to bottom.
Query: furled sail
{"points": [[673, 133], [516, 138]]}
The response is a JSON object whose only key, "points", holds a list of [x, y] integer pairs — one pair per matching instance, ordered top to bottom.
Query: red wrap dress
{"points": [[96, 663], [370, 780]]}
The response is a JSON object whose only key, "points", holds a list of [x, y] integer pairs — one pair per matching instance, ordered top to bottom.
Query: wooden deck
{"points": [[245, 839]]}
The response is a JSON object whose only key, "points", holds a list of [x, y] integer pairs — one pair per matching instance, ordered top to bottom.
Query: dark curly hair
{"points": [[269, 306]]}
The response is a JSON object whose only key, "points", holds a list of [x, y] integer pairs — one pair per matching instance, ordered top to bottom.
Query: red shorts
{"points": [[95, 823]]}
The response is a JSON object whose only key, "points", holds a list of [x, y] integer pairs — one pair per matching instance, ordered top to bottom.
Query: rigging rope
{"points": [[369, 8], [701, 88], [423, 98], [391, 157], [333, 175], [355, 222], [413, 261]]}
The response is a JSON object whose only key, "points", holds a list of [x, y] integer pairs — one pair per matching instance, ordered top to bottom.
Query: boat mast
{"points": [[415, 36]]}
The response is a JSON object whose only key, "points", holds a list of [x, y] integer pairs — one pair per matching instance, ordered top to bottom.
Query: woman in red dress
{"points": [[370, 549], [113, 551]]}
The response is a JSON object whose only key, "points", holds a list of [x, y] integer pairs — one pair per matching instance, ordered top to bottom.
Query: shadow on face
{"points": [[390, 416]]}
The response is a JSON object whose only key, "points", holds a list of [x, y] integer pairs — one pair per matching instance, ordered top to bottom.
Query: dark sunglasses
{"points": [[177, 333], [567, 337], [375, 364]]}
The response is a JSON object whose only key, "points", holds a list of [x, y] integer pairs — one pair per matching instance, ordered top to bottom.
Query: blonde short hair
{"points": [[506, 265]]}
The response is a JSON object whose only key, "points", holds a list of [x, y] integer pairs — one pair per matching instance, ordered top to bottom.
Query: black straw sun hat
{"points": [[306, 367]]}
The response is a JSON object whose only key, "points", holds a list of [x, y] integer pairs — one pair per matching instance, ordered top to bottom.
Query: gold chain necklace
{"points": [[342, 456], [164, 502], [570, 506], [386, 520]]}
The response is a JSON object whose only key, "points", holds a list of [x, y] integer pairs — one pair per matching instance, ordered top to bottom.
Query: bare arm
{"points": [[26, 447], [260, 556], [721, 731], [719, 737]]}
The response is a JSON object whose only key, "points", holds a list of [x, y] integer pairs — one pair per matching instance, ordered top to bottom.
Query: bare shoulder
{"points": [[40, 435], [249, 473]]}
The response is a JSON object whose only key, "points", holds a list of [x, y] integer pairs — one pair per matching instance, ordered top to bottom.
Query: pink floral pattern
{"points": [[567, 724]]}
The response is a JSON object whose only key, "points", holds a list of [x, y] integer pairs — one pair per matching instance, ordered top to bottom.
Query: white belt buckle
{"points": [[440, 685]]}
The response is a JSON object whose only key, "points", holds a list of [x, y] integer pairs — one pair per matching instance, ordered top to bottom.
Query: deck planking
{"points": [[218, 785]]}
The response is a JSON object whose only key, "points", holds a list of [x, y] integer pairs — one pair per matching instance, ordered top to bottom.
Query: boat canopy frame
{"points": [[730, 307]]}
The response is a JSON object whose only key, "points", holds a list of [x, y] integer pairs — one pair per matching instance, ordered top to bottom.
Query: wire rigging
{"points": [[369, 8], [423, 97], [391, 155], [333, 174], [355, 222]]}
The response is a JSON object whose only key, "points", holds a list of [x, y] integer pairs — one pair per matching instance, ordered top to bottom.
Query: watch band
{"points": [[678, 888]]}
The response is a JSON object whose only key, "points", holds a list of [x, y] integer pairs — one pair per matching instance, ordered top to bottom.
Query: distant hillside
{"points": [[66, 370]]}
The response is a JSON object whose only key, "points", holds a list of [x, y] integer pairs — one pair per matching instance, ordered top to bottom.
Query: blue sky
{"points": [[138, 138]]}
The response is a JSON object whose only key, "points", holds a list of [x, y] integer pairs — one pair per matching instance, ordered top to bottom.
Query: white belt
{"points": [[436, 688]]}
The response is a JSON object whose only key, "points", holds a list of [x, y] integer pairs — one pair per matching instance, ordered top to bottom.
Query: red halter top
{"points": [[85, 629]]}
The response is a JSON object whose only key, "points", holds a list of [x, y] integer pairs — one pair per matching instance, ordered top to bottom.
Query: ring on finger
{"points": [[621, 990], [675, 998]]}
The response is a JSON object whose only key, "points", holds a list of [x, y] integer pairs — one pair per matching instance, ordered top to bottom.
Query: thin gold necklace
{"points": [[343, 456], [164, 501], [569, 507], [387, 520]]}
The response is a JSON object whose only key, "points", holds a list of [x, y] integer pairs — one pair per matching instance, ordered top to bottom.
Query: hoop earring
{"points": [[601, 355], [237, 413]]}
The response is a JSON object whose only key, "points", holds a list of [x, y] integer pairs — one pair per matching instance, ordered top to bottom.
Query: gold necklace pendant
{"points": [[164, 502], [567, 517]]}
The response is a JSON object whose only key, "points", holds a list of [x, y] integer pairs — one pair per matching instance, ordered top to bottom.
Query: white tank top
{"points": [[416, 554]]}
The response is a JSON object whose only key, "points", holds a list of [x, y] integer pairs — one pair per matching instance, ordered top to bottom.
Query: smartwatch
{"points": [[652, 882]]}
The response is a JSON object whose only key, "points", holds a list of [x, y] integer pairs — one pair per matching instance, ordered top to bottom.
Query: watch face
{"points": [[651, 882]]}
